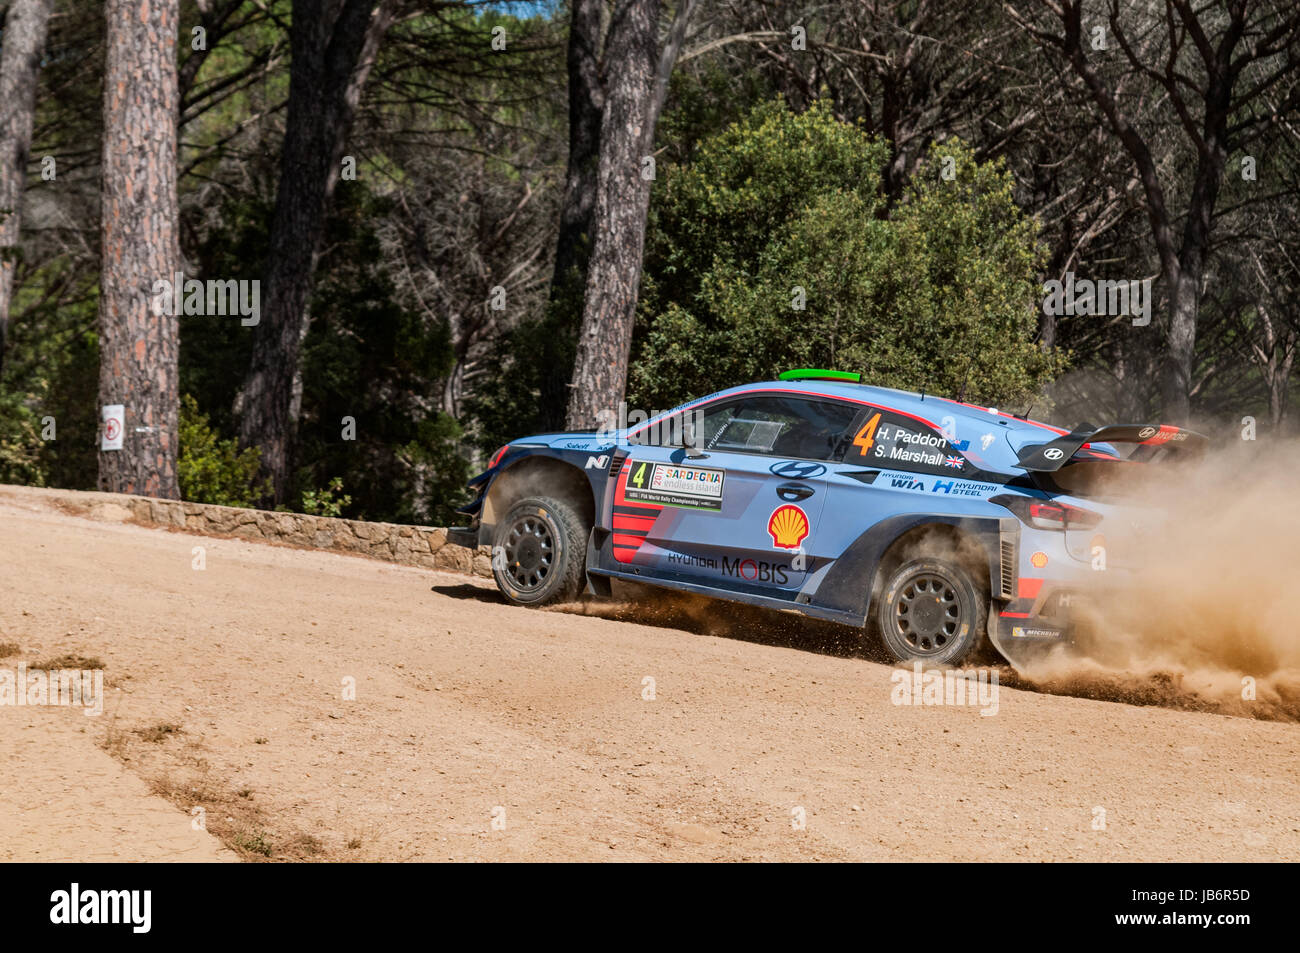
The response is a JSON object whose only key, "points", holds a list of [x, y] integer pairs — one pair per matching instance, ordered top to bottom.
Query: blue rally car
{"points": [[932, 521]]}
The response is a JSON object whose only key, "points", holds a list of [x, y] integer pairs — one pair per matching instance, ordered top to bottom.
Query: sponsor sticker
{"points": [[1165, 435], [797, 469], [906, 482], [672, 484], [960, 488], [788, 526], [748, 570], [760, 570], [1023, 632]]}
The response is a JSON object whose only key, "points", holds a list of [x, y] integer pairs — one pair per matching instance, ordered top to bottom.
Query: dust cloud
{"points": [[1216, 616]]}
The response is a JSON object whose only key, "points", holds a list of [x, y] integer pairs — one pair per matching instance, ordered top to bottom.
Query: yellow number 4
{"points": [[866, 436]]}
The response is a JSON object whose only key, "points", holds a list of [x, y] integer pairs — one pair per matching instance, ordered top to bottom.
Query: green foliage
{"points": [[704, 100], [936, 293], [51, 371], [20, 443], [213, 470], [329, 501]]}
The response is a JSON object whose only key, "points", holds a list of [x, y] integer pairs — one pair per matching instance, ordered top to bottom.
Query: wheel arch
{"points": [[539, 476], [939, 538], [853, 583]]}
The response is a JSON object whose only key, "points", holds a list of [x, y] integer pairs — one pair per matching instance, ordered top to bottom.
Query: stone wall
{"points": [[423, 546]]}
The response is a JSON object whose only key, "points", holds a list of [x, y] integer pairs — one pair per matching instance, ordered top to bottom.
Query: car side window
{"points": [[778, 427], [886, 439]]}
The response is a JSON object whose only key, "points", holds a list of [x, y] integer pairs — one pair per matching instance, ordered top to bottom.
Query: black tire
{"points": [[539, 552], [932, 609]]}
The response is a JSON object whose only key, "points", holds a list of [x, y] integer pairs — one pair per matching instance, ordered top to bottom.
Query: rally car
{"points": [[934, 522]]}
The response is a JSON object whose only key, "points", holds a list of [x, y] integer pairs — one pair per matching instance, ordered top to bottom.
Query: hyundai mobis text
{"points": [[933, 523]]}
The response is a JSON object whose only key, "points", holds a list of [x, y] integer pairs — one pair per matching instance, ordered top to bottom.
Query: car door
{"points": [[894, 465], [739, 509]]}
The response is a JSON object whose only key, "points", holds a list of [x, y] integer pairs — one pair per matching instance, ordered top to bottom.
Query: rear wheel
{"points": [[539, 552], [931, 610]]}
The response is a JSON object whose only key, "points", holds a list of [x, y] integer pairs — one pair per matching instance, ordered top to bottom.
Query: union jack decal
{"points": [[953, 462]]}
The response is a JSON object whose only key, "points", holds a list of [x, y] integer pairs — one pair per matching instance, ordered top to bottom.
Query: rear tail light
{"points": [[496, 457], [1046, 515]]}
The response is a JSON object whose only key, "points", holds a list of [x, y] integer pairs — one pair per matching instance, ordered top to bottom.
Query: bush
{"points": [[936, 294], [20, 443], [213, 470], [327, 502]]}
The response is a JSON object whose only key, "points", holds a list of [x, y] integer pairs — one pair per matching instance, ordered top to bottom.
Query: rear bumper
{"points": [[1052, 612], [1020, 637]]}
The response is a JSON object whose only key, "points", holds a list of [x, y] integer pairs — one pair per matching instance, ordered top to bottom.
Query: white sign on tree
{"points": [[111, 433]]}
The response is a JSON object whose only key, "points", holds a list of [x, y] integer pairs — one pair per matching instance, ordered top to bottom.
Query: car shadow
{"points": [[467, 591], [700, 615]]}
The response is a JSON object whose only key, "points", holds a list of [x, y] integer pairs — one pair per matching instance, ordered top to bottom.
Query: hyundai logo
{"points": [[794, 470]]}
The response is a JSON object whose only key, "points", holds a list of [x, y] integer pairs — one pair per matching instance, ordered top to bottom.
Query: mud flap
{"points": [[467, 536], [597, 585], [1038, 641]]}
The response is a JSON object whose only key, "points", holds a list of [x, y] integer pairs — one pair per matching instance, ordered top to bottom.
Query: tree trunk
{"points": [[332, 45], [20, 65], [622, 202], [578, 205], [572, 247], [1185, 283], [138, 343], [1275, 357], [1177, 380], [1277, 399]]}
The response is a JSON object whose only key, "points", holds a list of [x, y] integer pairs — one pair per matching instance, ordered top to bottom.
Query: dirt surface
{"points": [[481, 731]]}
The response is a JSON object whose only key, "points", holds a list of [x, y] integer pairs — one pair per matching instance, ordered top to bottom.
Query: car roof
{"points": [[929, 408]]}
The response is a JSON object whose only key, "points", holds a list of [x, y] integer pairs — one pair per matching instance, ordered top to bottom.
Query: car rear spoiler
{"points": [[1051, 456]]}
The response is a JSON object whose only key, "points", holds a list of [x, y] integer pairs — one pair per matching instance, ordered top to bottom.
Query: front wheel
{"points": [[539, 552], [932, 611]]}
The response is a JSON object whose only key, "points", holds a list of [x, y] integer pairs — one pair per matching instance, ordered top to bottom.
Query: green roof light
{"points": [[819, 374]]}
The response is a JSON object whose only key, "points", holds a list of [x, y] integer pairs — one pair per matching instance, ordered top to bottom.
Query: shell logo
{"points": [[788, 526]]}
